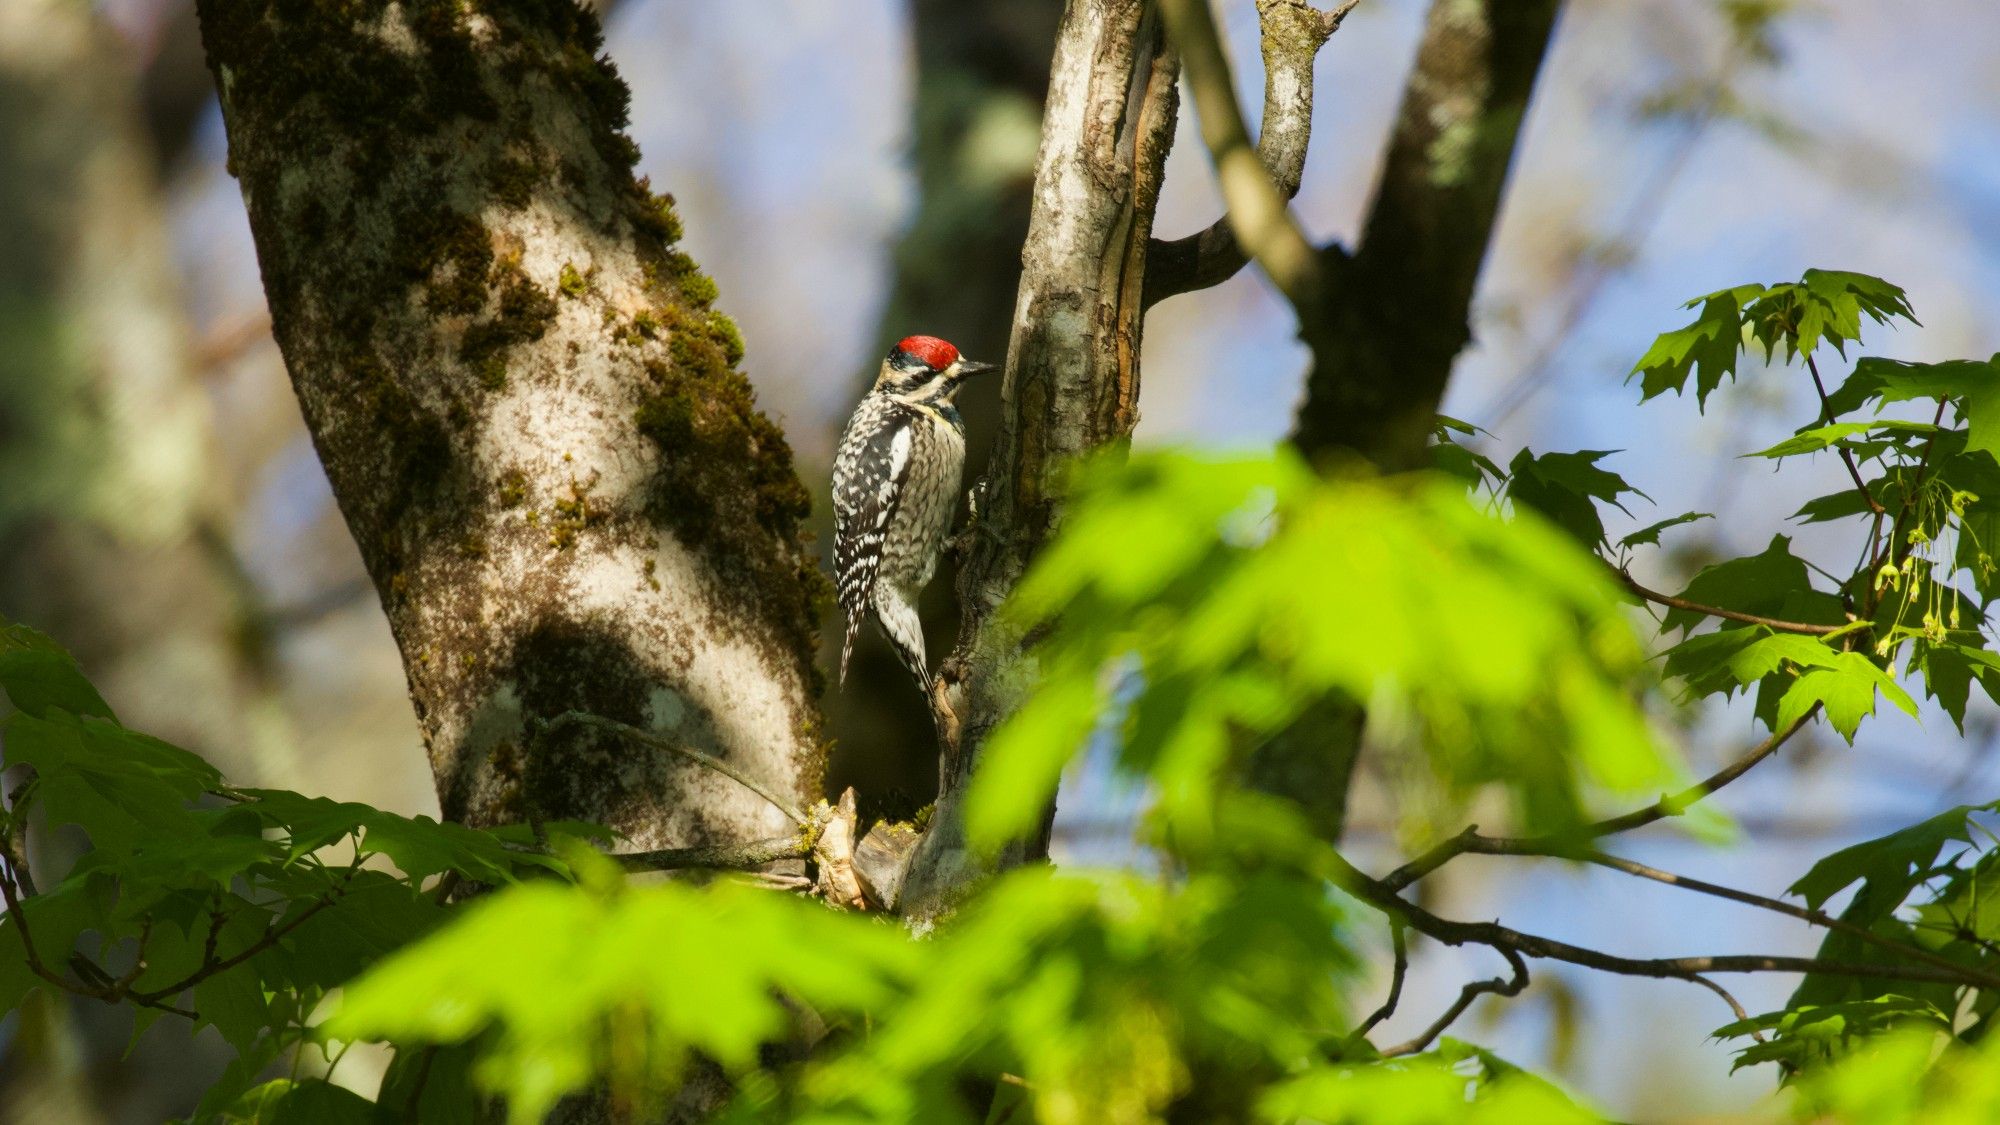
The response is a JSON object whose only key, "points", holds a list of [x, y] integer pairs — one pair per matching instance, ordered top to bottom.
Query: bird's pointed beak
{"points": [[974, 367]]}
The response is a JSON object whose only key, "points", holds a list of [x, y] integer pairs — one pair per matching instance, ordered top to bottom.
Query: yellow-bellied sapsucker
{"points": [[895, 484]]}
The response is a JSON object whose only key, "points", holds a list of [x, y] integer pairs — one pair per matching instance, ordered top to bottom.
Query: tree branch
{"points": [[1292, 33], [1263, 226], [1399, 307], [1070, 387], [1846, 455], [1673, 602], [648, 738], [1572, 845], [724, 857], [1378, 894], [1804, 914], [272, 936], [1398, 937], [1497, 986], [110, 991], [1734, 1005]]}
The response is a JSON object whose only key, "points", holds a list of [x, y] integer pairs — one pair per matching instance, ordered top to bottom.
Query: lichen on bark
{"points": [[531, 413]]}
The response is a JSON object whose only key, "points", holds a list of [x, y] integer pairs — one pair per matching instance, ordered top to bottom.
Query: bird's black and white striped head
{"points": [[925, 369]]}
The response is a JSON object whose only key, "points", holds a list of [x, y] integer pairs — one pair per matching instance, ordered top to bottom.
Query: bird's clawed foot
{"points": [[960, 545]]}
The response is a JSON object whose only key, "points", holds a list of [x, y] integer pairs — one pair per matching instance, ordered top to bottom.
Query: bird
{"points": [[896, 477]]}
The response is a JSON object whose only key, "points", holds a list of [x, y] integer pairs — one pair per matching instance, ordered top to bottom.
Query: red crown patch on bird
{"points": [[935, 354]]}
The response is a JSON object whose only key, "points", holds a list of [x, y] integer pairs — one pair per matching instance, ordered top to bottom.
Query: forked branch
{"points": [[1291, 34], [1262, 224], [1576, 844], [1496, 986]]}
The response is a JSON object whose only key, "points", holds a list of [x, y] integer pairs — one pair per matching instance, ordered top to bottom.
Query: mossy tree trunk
{"points": [[528, 407]]}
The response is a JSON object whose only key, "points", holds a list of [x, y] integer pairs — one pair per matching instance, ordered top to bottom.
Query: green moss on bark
{"points": [[406, 138], [524, 314]]}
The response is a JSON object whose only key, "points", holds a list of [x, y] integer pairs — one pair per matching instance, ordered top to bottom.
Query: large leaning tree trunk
{"points": [[529, 410]]}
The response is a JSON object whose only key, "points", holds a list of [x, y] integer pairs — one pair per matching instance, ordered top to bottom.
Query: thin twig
{"points": [[1846, 454], [1897, 548], [1781, 626], [647, 738], [1573, 844], [216, 921], [20, 922], [272, 936], [1398, 936], [123, 984], [1496, 986], [1734, 1006]]}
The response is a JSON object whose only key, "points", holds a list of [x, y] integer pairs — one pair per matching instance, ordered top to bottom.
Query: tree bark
{"points": [[982, 73], [1398, 309], [1397, 312], [1071, 384], [529, 410]]}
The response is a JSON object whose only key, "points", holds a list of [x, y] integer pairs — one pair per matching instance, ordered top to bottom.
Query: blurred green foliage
{"points": [[1192, 609], [1493, 646]]}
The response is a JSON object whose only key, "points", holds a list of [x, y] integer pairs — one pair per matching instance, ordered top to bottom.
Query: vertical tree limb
{"points": [[982, 72], [1258, 216], [1398, 310], [1386, 324], [1071, 383], [529, 410]]}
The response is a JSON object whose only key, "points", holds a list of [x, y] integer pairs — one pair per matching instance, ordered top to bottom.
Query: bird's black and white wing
{"points": [[871, 469]]}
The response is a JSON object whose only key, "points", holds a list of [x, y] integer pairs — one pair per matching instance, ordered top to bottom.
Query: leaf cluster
{"points": [[240, 909]]}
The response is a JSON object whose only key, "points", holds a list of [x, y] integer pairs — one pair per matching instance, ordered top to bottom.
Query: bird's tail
{"points": [[847, 647]]}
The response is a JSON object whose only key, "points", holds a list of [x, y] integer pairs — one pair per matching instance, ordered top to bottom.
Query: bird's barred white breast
{"points": [[937, 451]]}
